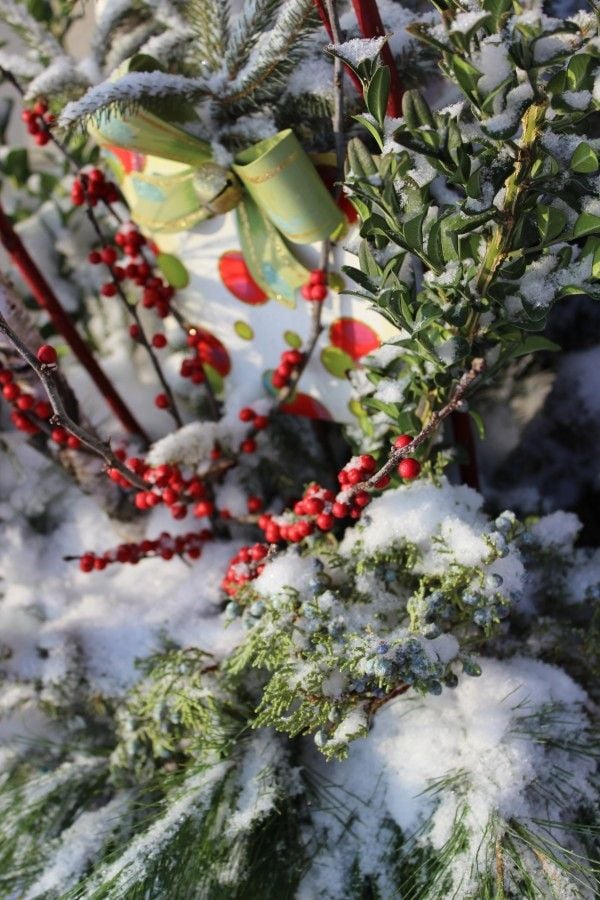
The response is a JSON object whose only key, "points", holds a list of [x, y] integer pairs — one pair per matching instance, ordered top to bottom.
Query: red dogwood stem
{"points": [[371, 26], [47, 299]]}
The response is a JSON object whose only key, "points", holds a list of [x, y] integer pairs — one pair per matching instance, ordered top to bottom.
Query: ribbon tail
{"points": [[270, 260]]}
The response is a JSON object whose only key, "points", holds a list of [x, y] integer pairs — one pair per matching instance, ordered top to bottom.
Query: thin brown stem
{"points": [[478, 367], [49, 376]]}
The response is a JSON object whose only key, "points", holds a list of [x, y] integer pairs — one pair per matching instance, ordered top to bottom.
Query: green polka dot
{"points": [[243, 330], [292, 339], [336, 361], [215, 379]]}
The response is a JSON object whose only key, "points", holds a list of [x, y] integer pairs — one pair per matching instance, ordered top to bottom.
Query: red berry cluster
{"points": [[37, 119], [91, 186], [131, 266], [315, 288], [288, 362], [192, 366], [29, 413], [408, 467], [166, 485], [165, 547], [246, 565]]}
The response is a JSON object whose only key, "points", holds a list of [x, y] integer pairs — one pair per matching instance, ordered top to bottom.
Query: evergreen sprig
{"points": [[477, 217]]}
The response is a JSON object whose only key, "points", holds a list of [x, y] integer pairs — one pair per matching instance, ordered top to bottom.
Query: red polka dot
{"points": [[236, 277], [353, 337], [303, 405]]}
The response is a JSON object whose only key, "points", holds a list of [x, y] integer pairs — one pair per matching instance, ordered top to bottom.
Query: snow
{"points": [[466, 21], [358, 50], [493, 62], [114, 617], [416, 743]]}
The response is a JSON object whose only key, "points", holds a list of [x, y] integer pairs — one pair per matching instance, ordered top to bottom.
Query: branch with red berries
{"points": [[45, 366], [404, 445]]}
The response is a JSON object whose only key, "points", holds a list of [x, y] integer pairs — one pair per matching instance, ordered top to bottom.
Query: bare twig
{"points": [[338, 89], [478, 367], [48, 375]]}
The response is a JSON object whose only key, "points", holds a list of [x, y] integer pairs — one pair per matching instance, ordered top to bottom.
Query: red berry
{"points": [[40, 107], [41, 138], [96, 176], [109, 255], [94, 258], [318, 276], [109, 289], [318, 292], [134, 331], [159, 341], [47, 355], [6, 376], [278, 380], [11, 391], [25, 401], [162, 401], [42, 409], [246, 414], [260, 422], [59, 435], [403, 440], [73, 442], [248, 446], [368, 463], [409, 468], [361, 498], [254, 504], [313, 506], [205, 508], [340, 510], [325, 522], [273, 534], [86, 562]]}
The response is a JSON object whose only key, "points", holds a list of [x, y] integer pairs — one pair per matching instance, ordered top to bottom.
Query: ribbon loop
{"points": [[171, 182]]}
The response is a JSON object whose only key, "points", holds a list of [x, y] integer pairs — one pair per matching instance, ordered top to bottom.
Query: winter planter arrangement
{"points": [[296, 602]]}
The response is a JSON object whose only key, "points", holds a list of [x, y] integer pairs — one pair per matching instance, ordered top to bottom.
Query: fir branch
{"points": [[16, 17], [209, 20], [254, 20], [264, 73], [62, 77], [129, 92], [48, 375]]}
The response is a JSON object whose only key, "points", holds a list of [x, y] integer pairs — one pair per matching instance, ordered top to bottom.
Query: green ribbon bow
{"points": [[273, 186]]}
